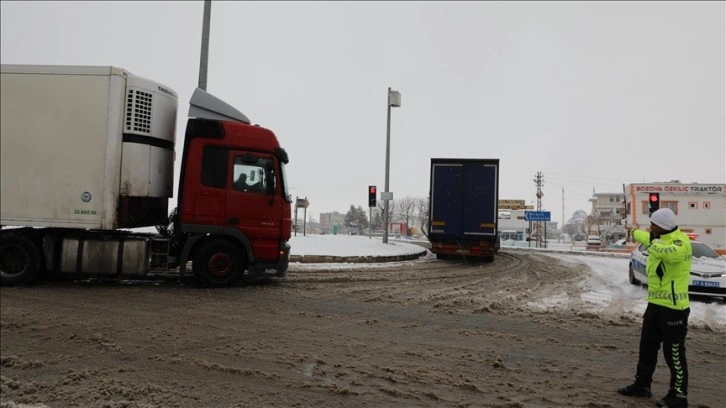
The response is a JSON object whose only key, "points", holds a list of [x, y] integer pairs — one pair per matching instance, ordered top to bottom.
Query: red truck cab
{"points": [[234, 208]]}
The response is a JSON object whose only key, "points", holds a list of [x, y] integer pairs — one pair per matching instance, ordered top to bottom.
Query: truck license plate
{"points": [[705, 283]]}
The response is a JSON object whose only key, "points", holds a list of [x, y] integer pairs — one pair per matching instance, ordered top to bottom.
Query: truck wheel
{"points": [[19, 260], [219, 263]]}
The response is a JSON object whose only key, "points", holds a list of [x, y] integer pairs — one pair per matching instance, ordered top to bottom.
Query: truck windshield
{"points": [[285, 192]]}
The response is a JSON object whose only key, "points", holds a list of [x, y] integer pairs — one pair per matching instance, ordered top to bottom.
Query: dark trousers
{"points": [[667, 326]]}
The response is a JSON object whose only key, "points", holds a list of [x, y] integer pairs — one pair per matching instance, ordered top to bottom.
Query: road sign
{"points": [[302, 202], [537, 215]]}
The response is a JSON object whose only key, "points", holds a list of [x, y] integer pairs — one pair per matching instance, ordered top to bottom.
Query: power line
{"points": [[581, 176], [588, 183]]}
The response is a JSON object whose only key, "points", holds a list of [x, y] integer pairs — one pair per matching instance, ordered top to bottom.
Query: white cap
{"points": [[664, 218]]}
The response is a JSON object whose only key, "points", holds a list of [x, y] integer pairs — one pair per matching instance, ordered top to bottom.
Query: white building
{"points": [[700, 208], [607, 216], [512, 224]]}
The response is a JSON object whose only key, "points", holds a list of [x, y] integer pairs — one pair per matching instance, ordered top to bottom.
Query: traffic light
{"points": [[371, 196], [653, 202]]}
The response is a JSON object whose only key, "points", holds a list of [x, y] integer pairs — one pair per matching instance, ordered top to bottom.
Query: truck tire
{"points": [[20, 260], [218, 263]]}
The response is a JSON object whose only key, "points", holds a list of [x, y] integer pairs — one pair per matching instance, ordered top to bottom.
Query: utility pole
{"points": [[205, 45], [539, 182]]}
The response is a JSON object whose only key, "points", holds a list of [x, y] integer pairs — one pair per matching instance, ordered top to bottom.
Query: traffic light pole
{"points": [[372, 191], [653, 203], [370, 221]]}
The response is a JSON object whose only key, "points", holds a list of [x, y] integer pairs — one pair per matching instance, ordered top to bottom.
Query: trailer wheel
{"points": [[19, 260], [218, 263]]}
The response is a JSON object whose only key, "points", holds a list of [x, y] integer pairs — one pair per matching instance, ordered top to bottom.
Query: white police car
{"points": [[708, 270]]}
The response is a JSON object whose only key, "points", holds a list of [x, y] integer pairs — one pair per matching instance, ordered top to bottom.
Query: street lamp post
{"points": [[205, 45], [394, 100]]}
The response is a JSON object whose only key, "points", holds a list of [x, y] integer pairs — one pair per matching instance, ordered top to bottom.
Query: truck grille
{"points": [[138, 111]]}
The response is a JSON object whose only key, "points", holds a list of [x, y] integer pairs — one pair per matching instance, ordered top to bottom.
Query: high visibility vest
{"points": [[670, 255]]}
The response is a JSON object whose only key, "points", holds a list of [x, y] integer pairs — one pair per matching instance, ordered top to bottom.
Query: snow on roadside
{"points": [[349, 245], [607, 288], [604, 290]]}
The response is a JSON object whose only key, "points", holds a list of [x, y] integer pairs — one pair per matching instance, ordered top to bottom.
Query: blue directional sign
{"points": [[537, 215]]}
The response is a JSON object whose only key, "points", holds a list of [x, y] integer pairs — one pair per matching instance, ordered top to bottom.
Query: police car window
{"points": [[703, 251]]}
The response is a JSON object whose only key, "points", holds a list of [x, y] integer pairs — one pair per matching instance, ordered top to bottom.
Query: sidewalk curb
{"points": [[355, 259]]}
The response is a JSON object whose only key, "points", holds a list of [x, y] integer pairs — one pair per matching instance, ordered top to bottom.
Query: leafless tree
{"points": [[406, 208], [392, 211], [422, 214], [592, 221], [571, 229]]}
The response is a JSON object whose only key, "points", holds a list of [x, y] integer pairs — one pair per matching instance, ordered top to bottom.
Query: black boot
{"points": [[635, 390], [673, 400]]}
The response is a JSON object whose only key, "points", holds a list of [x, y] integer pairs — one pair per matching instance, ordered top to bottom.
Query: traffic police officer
{"points": [[666, 316]]}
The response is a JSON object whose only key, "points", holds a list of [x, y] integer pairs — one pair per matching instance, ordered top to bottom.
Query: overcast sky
{"points": [[592, 94]]}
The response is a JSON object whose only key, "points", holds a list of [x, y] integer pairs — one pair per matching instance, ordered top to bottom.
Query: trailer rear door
{"points": [[447, 182], [464, 199], [480, 199]]}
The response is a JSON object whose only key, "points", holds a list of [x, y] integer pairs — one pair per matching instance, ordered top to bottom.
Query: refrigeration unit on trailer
{"points": [[88, 153]]}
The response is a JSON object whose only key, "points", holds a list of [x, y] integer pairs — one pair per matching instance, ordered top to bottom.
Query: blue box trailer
{"points": [[463, 204]]}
